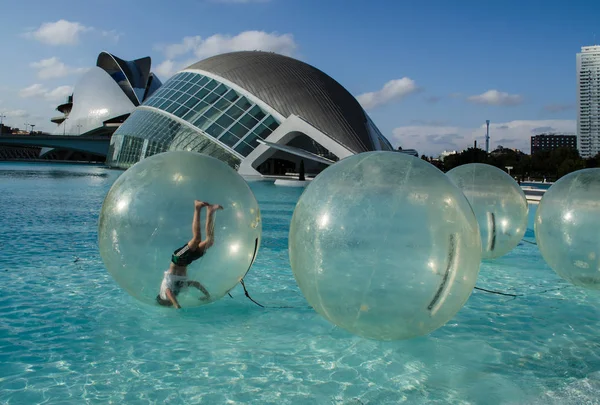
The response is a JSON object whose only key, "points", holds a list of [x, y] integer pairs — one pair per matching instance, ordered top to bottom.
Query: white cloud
{"points": [[61, 32], [112, 35], [186, 45], [202, 48], [53, 68], [165, 69], [35, 90], [393, 90], [39, 91], [58, 94], [495, 97], [14, 113], [431, 140]]}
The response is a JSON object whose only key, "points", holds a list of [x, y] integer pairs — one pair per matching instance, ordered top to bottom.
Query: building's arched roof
{"points": [[132, 75], [294, 87]]}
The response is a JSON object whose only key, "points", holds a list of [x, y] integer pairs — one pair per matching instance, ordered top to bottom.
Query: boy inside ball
{"points": [[175, 279]]}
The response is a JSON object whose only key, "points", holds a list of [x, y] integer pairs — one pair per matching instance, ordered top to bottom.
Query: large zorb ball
{"points": [[499, 204], [148, 213], [567, 227], [383, 245]]}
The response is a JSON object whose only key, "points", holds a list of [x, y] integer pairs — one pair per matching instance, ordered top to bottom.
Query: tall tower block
{"points": [[487, 136]]}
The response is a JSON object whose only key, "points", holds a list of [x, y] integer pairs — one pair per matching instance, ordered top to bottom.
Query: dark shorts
{"points": [[183, 256]]}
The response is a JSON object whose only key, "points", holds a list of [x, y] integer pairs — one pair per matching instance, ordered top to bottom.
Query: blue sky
{"points": [[429, 73]]}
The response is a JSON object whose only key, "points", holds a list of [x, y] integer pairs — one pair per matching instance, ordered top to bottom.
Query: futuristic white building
{"points": [[105, 96], [260, 112]]}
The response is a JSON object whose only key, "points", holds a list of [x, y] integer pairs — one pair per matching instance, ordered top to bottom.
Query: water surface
{"points": [[70, 335]]}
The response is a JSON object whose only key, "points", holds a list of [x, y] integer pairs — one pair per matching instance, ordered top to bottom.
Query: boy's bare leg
{"points": [[210, 224], [196, 229]]}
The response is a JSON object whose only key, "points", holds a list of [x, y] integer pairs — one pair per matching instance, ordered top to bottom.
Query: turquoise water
{"points": [[69, 335]]}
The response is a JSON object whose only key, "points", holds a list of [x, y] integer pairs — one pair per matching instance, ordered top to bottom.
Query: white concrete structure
{"points": [[109, 91], [588, 101], [260, 112]]}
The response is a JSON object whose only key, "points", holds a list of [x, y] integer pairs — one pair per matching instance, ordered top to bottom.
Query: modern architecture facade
{"points": [[105, 95], [588, 101], [260, 112], [552, 141]]}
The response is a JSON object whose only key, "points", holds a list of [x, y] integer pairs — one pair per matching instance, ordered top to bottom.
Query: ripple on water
{"points": [[68, 334]]}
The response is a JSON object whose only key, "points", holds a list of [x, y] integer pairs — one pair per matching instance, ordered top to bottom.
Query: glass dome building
{"points": [[260, 112]]}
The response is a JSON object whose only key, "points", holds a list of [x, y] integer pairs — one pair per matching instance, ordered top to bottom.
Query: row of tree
{"points": [[546, 164]]}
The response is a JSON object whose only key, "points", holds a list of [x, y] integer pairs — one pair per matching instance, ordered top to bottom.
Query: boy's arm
{"points": [[172, 298]]}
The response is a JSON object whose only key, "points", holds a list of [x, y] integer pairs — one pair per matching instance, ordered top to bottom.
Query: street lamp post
{"points": [[79, 129], [509, 168]]}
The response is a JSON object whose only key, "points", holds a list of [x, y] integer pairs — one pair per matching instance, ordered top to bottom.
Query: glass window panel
{"points": [[194, 78], [203, 80], [211, 84], [179, 86], [186, 87], [193, 89], [220, 90], [169, 93], [202, 93], [231, 95], [180, 97], [211, 98], [157, 101], [191, 102], [243, 103], [164, 104], [222, 104], [172, 107], [181, 111], [197, 111], [234, 112], [257, 112], [212, 113], [225, 120], [200, 121], [248, 121], [271, 123], [215, 130], [239, 130], [263, 131], [163, 133], [252, 138], [229, 139], [243, 149]]}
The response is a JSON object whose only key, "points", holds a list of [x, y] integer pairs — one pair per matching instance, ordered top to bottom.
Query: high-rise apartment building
{"points": [[588, 101]]}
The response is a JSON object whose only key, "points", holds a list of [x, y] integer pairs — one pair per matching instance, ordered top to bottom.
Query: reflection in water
{"points": [[52, 173]]}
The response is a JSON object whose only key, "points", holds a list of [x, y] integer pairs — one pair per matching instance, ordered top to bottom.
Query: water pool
{"points": [[68, 334]]}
